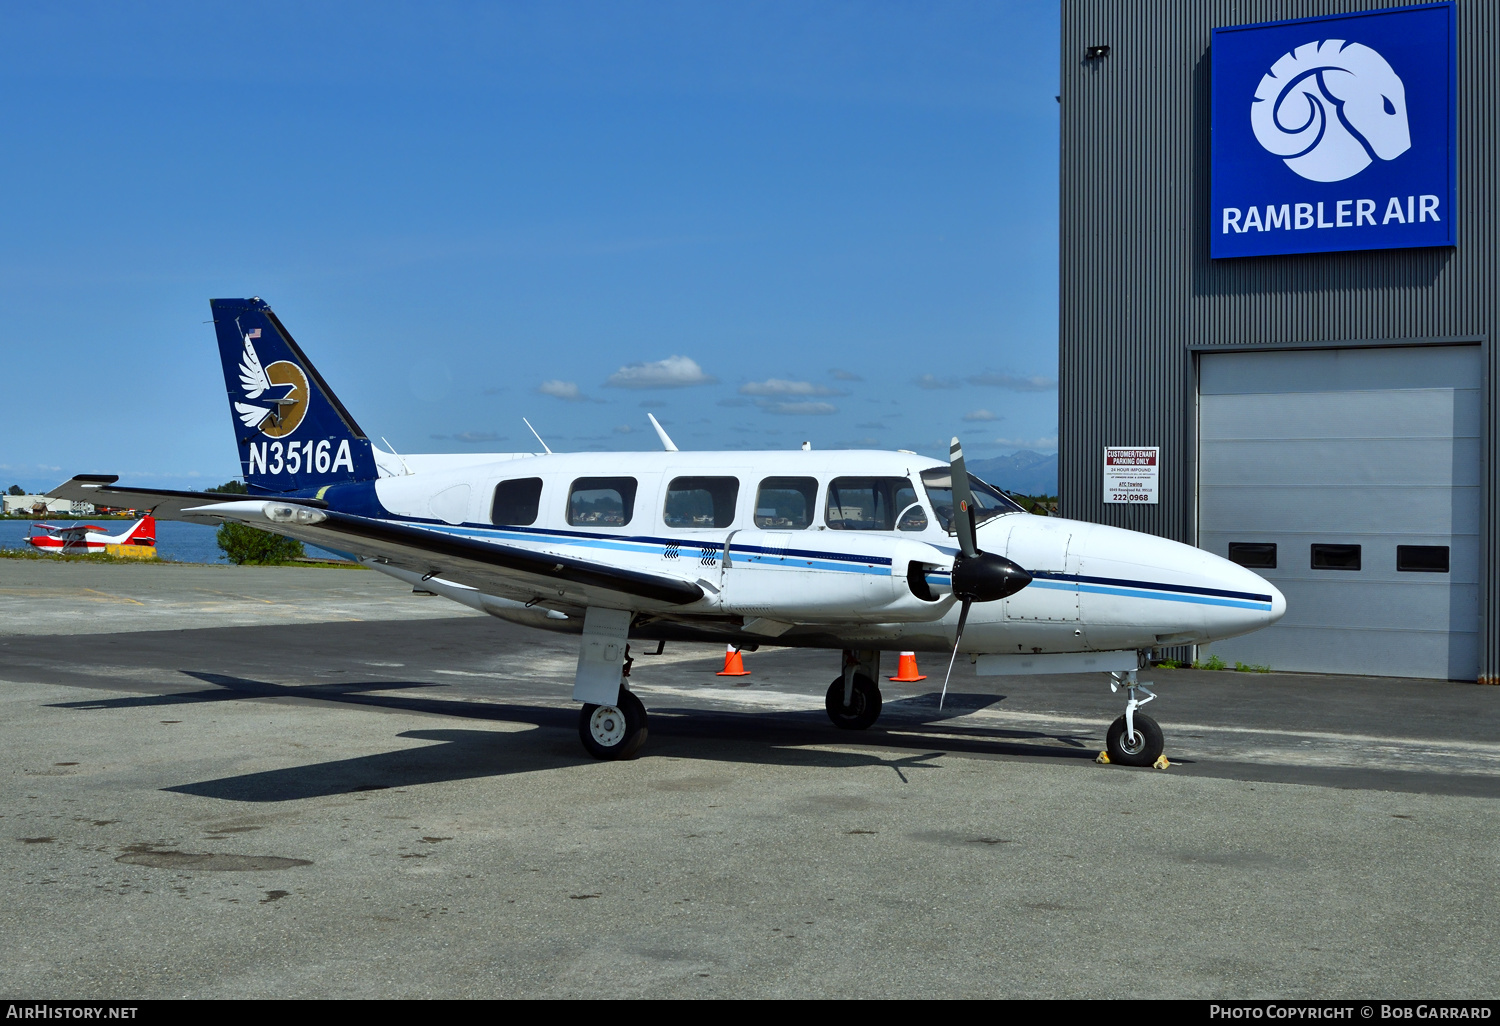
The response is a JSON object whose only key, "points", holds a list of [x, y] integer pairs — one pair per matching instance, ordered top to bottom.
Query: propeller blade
{"points": [[963, 500], [963, 615]]}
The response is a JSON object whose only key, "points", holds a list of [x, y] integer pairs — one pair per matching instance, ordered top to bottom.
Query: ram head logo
{"points": [[1330, 109]]}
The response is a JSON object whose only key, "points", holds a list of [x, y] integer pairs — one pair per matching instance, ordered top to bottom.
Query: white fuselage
{"points": [[835, 580]]}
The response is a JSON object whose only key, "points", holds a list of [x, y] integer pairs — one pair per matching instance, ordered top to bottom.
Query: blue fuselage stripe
{"points": [[835, 562], [1186, 589], [1140, 591]]}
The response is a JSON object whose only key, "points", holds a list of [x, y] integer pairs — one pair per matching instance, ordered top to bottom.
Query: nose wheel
{"points": [[1134, 739]]}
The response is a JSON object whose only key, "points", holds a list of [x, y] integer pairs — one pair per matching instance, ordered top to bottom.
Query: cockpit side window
{"points": [[601, 501], [701, 501], [516, 502], [991, 502], [786, 503], [868, 503]]}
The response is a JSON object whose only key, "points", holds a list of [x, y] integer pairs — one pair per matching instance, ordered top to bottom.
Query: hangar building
{"points": [[1278, 296]]}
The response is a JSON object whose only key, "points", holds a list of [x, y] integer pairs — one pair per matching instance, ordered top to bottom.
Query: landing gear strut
{"points": [[854, 701], [613, 726], [1134, 739]]}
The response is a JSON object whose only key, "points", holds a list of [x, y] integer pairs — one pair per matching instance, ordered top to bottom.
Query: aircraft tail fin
{"points": [[293, 433], [143, 533]]}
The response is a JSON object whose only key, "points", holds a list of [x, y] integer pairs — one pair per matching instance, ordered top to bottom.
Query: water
{"points": [[175, 540]]}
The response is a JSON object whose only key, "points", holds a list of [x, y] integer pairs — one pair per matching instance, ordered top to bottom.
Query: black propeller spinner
{"points": [[977, 576]]}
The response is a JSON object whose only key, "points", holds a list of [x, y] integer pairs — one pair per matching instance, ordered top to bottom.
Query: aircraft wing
{"points": [[164, 503], [72, 533], [494, 567], [498, 567]]}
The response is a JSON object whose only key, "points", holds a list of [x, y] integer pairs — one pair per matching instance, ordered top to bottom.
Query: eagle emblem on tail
{"points": [[257, 386]]}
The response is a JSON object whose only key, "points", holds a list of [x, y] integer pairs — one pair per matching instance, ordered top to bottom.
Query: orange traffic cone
{"points": [[734, 664], [907, 671]]}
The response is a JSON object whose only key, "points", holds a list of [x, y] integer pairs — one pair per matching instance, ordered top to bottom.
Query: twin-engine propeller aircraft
{"points": [[856, 551]]}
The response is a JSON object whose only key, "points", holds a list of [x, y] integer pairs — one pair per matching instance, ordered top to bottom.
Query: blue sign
{"points": [[1334, 133]]}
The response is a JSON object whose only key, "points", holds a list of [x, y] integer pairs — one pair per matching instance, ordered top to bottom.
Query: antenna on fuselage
{"points": [[661, 432], [538, 437], [396, 454]]}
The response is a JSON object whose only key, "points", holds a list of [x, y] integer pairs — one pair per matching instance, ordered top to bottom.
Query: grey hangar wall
{"points": [[1141, 302]]}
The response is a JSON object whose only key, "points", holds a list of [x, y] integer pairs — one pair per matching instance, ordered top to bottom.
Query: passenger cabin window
{"points": [[989, 500], [601, 501], [701, 501], [516, 502], [786, 503], [867, 503], [1254, 555], [1335, 557], [1422, 559]]}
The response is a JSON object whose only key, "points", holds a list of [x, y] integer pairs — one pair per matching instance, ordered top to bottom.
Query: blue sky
{"points": [[763, 223]]}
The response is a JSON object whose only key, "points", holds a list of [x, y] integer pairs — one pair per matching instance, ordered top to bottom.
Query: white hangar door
{"points": [[1349, 478]]}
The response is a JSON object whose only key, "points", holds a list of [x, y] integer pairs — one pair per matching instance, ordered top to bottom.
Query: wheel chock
{"points": [[1102, 758], [1162, 762]]}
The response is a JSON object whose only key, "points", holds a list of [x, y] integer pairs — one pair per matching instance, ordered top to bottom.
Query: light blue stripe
{"points": [[689, 551], [780, 562], [1157, 596]]}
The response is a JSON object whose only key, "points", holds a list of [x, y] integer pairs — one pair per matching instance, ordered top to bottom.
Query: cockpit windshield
{"points": [[988, 500]]}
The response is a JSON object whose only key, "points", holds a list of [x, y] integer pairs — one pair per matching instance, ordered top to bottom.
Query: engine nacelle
{"points": [[834, 577]]}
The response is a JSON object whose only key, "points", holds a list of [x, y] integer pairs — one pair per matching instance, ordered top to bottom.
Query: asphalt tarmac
{"points": [[301, 782]]}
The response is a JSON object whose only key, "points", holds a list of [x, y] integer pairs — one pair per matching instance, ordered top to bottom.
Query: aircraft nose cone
{"points": [[988, 577], [1278, 603]]}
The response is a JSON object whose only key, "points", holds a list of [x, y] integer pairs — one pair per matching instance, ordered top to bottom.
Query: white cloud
{"points": [[673, 372], [843, 375], [932, 382], [1015, 382], [781, 386], [566, 390], [798, 409], [979, 415], [624, 429], [476, 436], [1038, 444]]}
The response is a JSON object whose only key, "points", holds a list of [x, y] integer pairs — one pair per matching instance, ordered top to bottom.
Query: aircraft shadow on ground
{"points": [[738, 736]]}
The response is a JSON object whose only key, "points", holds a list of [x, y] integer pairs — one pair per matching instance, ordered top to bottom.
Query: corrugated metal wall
{"points": [[1137, 286]]}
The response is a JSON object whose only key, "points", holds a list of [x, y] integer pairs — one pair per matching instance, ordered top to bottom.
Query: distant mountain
{"points": [[1024, 472]]}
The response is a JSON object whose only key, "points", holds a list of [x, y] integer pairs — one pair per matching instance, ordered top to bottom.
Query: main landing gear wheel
{"points": [[864, 703], [613, 731], [1141, 748]]}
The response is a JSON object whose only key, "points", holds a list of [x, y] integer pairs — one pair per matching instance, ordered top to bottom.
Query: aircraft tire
{"points": [[864, 705], [613, 732], [1141, 750]]}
